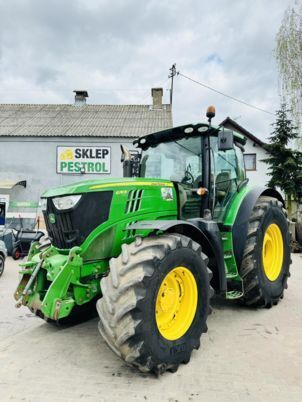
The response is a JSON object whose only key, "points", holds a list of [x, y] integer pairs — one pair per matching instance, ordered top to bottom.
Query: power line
{"points": [[226, 95]]}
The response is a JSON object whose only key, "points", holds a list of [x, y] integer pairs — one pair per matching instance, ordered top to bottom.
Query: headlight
{"points": [[67, 202], [43, 204]]}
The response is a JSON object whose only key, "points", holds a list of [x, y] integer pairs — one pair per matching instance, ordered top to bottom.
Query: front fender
{"points": [[205, 233]]}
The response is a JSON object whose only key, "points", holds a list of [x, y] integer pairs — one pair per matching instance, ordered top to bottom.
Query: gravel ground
{"points": [[247, 355]]}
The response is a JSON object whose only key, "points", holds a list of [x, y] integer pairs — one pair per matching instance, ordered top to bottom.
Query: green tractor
{"points": [[150, 249]]}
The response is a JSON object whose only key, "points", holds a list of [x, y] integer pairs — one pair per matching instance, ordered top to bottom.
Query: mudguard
{"points": [[240, 226], [202, 231]]}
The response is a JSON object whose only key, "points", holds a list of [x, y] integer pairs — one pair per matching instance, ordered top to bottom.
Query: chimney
{"points": [[157, 95], [80, 97]]}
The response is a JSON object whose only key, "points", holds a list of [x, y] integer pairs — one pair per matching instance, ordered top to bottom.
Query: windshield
{"points": [[177, 161]]}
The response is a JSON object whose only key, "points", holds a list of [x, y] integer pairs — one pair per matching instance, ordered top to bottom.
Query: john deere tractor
{"points": [[150, 249]]}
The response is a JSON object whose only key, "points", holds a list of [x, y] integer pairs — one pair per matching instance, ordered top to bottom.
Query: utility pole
{"points": [[172, 75]]}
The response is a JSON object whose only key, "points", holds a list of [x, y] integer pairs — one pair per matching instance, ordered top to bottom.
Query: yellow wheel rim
{"points": [[272, 252], [176, 303]]}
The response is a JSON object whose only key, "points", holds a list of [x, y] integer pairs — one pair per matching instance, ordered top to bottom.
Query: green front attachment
{"points": [[51, 282]]}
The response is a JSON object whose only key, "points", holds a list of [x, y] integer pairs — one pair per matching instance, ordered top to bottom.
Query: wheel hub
{"points": [[272, 252], [167, 299], [176, 303]]}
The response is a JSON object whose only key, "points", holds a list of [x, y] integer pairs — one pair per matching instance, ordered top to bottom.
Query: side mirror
{"points": [[225, 140]]}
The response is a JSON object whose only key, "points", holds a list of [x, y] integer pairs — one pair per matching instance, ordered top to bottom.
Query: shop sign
{"points": [[76, 160], [23, 204]]}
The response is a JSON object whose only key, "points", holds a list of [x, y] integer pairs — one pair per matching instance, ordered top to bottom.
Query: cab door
{"points": [[227, 172], [190, 202]]}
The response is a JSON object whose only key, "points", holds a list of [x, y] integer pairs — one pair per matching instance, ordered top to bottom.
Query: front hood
{"points": [[105, 184]]}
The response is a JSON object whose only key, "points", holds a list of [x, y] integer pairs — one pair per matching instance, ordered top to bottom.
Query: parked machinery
{"points": [[3, 255]]}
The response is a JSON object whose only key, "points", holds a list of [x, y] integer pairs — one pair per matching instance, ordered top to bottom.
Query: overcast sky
{"points": [[119, 49]]}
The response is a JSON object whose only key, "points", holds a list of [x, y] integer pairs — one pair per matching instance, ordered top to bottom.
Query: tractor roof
{"points": [[177, 133]]}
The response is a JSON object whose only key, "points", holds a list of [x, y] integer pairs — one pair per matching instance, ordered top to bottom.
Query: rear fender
{"points": [[240, 226]]}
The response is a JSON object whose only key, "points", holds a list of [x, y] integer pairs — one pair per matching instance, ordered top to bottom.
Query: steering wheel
{"points": [[188, 179]]}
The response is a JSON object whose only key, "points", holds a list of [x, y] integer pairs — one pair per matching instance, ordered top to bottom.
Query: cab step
{"points": [[234, 294]]}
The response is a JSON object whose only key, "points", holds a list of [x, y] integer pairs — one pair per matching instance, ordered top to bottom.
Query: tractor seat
{"points": [[222, 185], [182, 196], [189, 205]]}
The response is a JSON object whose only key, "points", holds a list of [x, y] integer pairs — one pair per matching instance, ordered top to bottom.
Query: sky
{"points": [[118, 50]]}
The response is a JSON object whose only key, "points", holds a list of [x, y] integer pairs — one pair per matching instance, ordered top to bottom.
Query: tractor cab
{"points": [[205, 162]]}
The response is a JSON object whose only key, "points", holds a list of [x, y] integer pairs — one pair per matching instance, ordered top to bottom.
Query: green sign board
{"points": [[23, 204]]}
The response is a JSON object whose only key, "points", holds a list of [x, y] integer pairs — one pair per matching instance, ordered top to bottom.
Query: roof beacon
{"points": [[210, 113]]}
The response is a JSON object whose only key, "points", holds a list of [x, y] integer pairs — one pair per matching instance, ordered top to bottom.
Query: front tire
{"points": [[266, 260], [155, 302]]}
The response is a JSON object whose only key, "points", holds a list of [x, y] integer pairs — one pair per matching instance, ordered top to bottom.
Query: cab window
{"points": [[178, 161]]}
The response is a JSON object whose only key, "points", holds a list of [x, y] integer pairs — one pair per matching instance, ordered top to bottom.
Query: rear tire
{"points": [[265, 277], [128, 309]]}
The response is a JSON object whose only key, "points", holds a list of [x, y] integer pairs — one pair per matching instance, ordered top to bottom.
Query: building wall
{"points": [[34, 160], [259, 176]]}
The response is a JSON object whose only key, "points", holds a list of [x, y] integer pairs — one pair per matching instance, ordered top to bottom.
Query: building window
{"points": [[250, 161]]}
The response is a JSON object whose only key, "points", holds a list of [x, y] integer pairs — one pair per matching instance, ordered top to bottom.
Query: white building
{"points": [[35, 140], [46, 145]]}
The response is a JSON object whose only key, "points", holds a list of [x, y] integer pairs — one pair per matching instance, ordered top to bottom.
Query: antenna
{"points": [[172, 75]]}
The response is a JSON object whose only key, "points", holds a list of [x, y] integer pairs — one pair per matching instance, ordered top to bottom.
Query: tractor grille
{"points": [[134, 201], [69, 228]]}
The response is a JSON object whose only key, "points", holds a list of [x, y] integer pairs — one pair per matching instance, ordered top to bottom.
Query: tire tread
{"points": [[123, 288], [253, 295]]}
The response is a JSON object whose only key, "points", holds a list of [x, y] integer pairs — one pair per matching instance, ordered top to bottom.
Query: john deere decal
{"points": [[75, 160], [167, 193]]}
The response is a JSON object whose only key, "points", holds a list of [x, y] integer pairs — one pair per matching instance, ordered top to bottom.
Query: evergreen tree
{"points": [[285, 164]]}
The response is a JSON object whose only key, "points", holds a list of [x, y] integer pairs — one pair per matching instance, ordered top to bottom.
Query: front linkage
{"points": [[51, 283]]}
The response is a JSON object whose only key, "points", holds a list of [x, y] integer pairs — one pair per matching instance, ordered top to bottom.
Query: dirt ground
{"points": [[247, 355]]}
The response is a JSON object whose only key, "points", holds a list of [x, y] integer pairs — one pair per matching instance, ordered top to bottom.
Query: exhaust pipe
{"points": [[127, 161]]}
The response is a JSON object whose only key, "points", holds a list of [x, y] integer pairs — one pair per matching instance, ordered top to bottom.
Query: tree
{"points": [[288, 55], [285, 164]]}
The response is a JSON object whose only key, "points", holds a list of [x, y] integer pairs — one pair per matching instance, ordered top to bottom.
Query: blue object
{"points": [[2, 213]]}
